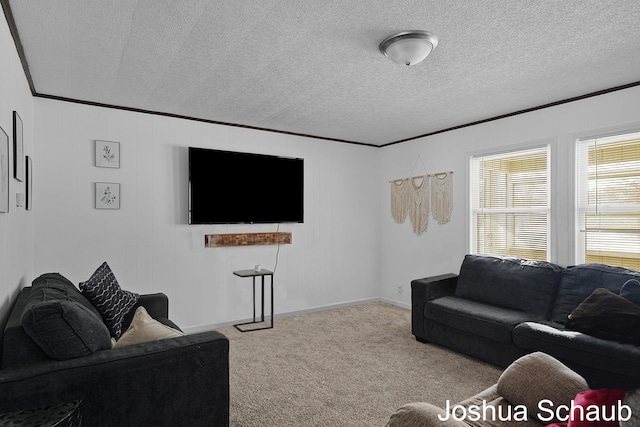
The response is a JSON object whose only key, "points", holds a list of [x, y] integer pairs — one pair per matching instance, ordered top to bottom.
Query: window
{"points": [[608, 200], [510, 204]]}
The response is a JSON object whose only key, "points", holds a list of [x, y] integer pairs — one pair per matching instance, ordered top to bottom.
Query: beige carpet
{"points": [[351, 366]]}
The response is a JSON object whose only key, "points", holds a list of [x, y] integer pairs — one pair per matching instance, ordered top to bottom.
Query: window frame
{"points": [[550, 145], [579, 251]]}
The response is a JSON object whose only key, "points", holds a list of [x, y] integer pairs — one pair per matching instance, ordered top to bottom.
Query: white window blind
{"points": [[608, 200], [510, 204]]}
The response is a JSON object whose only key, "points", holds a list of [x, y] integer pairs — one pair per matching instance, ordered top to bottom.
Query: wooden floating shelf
{"points": [[246, 239]]}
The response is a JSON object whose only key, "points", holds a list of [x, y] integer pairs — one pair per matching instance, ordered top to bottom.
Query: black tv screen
{"points": [[227, 187]]}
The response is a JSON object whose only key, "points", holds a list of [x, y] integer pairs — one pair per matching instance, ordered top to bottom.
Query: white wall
{"points": [[16, 232], [148, 243], [349, 249], [406, 256]]}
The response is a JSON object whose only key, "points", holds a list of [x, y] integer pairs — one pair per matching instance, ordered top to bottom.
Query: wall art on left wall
{"points": [[18, 148], [107, 154], [4, 171], [29, 183], [107, 195]]}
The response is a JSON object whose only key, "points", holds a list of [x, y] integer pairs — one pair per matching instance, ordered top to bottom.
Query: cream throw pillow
{"points": [[145, 328]]}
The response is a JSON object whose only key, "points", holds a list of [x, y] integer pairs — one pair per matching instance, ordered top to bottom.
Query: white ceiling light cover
{"points": [[409, 47]]}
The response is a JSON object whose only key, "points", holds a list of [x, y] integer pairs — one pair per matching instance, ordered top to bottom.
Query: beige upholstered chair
{"points": [[534, 378]]}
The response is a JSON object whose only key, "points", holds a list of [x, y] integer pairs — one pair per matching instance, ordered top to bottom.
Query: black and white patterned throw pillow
{"points": [[111, 301]]}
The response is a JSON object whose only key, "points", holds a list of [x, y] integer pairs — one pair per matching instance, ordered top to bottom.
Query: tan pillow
{"points": [[145, 328], [536, 377]]}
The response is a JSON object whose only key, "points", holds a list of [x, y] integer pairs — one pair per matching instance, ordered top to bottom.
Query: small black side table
{"points": [[253, 274], [60, 415]]}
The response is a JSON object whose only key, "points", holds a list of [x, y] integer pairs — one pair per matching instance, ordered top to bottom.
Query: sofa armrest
{"points": [[434, 287], [427, 289], [176, 381]]}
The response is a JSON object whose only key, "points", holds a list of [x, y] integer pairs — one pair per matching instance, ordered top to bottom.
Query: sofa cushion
{"points": [[579, 281], [510, 282], [50, 286], [111, 301], [607, 315], [486, 320], [145, 328], [65, 329], [18, 347], [619, 361], [538, 376]]}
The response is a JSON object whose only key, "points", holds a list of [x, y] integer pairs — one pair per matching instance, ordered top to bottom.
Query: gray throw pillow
{"points": [[54, 286], [112, 302], [64, 329]]}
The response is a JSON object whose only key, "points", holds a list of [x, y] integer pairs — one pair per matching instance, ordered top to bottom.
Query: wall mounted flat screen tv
{"points": [[227, 187]]}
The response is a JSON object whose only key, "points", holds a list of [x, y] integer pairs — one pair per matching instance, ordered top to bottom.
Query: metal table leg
{"points": [[253, 274]]}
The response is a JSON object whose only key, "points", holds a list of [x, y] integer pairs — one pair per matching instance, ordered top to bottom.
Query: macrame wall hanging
{"points": [[419, 196], [442, 196], [399, 199], [419, 203]]}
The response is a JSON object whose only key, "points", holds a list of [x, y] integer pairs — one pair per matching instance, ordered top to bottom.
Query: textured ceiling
{"points": [[313, 67]]}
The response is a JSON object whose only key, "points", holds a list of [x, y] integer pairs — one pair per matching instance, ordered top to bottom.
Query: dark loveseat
{"points": [[499, 309], [169, 382]]}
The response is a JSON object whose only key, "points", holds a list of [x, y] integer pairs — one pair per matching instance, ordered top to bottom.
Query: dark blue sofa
{"points": [[499, 308], [172, 382]]}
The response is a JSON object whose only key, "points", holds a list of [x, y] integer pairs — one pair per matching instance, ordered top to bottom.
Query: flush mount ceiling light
{"points": [[409, 47]]}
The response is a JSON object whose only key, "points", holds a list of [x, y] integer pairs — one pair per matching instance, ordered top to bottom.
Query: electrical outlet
{"points": [[400, 290]]}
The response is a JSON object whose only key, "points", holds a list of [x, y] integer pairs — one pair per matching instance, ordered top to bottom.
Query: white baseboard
{"points": [[396, 303], [202, 328]]}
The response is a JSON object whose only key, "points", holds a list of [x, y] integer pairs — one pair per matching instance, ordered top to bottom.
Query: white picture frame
{"points": [[107, 154], [107, 195]]}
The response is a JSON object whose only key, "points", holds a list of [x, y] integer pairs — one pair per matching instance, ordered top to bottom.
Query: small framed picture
{"points": [[18, 148], [107, 154], [4, 171], [29, 183], [107, 195]]}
